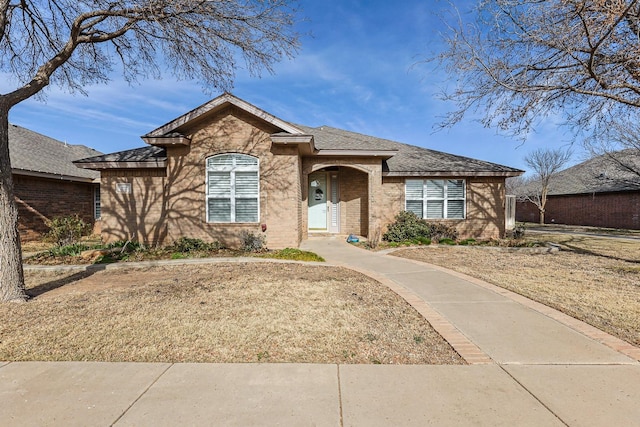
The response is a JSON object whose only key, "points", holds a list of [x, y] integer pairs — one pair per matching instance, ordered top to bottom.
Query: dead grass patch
{"points": [[603, 291], [246, 312]]}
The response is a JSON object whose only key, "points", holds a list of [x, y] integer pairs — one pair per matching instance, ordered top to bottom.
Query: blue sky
{"points": [[359, 69]]}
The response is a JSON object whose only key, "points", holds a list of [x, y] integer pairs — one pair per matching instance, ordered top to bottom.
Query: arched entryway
{"points": [[338, 201]]}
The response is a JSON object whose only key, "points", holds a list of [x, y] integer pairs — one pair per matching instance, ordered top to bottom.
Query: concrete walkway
{"points": [[529, 366]]}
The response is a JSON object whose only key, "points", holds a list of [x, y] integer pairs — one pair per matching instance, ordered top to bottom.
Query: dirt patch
{"points": [[236, 312]]}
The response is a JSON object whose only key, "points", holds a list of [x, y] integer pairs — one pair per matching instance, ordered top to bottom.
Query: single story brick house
{"points": [[228, 167], [46, 182], [601, 192]]}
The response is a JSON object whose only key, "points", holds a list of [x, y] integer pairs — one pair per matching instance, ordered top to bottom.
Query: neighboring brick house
{"points": [[228, 166], [47, 184], [600, 192]]}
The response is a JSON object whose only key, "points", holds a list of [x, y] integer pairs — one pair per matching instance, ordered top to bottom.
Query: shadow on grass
{"points": [[573, 242], [43, 288]]}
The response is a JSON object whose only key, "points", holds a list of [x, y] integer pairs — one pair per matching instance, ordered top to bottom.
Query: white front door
{"points": [[318, 201]]}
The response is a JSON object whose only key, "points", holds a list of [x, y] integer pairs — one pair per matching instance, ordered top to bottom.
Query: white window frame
{"points": [[232, 169], [445, 199], [97, 207]]}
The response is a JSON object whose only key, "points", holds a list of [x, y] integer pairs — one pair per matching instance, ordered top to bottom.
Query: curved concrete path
{"points": [[528, 368]]}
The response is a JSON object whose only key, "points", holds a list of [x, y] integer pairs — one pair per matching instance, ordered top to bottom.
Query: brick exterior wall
{"points": [[360, 183], [39, 199], [168, 204], [610, 210], [138, 215], [485, 217]]}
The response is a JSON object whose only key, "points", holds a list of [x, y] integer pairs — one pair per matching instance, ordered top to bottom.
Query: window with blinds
{"points": [[233, 188], [436, 198]]}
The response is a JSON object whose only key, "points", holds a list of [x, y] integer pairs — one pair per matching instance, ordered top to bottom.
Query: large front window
{"points": [[233, 191], [436, 198]]}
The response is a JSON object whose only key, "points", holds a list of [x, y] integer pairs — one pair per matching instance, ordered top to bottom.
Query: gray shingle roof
{"points": [[33, 152], [143, 154], [409, 159], [599, 174]]}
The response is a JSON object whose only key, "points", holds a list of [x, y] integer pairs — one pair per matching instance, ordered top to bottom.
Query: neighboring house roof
{"points": [[35, 154], [398, 159], [599, 175]]}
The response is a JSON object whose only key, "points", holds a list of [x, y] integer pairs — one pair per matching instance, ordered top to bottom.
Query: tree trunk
{"points": [[541, 217], [11, 273]]}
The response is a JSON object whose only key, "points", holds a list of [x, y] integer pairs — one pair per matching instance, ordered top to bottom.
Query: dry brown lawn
{"points": [[597, 282], [247, 312]]}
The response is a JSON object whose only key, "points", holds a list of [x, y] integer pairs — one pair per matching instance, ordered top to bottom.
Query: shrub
{"points": [[406, 227], [66, 230], [439, 231], [447, 241], [252, 242], [187, 244], [127, 246], [73, 249]]}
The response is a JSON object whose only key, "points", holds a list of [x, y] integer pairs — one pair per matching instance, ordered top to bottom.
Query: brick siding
{"points": [[41, 199], [611, 210], [485, 217]]}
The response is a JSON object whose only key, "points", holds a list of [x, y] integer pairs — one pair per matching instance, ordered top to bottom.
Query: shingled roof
{"points": [[32, 153], [149, 156], [397, 159], [409, 160], [599, 174]]}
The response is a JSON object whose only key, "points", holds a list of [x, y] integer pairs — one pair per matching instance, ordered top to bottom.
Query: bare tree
{"points": [[75, 43], [519, 61], [545, 164]]}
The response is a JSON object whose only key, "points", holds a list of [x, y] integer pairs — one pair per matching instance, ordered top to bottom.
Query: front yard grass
{"points": [[593, 279], [227, 312]]}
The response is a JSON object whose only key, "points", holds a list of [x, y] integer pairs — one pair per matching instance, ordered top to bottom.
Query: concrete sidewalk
{"points": [[528, 368]]}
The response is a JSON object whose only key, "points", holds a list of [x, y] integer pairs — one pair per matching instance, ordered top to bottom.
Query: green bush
{"points": [[406, 227], [66, 230], [447, 241], [252, 242], [73, 249]]}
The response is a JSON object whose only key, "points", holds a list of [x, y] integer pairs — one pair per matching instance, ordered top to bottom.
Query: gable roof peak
{"points": [[218, 104]]}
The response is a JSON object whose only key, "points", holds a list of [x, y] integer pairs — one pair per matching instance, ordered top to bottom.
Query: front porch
{"points": [[337, 201]]}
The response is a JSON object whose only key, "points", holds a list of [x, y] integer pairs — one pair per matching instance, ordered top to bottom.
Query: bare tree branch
{"points": [[75, 43], [519, 61], [545, 164]]}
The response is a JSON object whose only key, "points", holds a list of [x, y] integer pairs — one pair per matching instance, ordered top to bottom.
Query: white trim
{"points": [[215, 104], [123, 165], [232, 196], [445, 199]]}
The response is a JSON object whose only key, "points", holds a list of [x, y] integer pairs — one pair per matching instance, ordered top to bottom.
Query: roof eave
{"points": [[216, 104], [164, 141], [305, 143], [383, 154], [122, 165], [506, 174], [48, 175]]}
